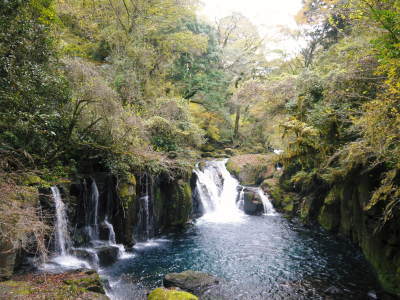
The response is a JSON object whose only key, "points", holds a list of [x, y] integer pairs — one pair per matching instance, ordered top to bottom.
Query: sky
{"points": [[267, 15]]}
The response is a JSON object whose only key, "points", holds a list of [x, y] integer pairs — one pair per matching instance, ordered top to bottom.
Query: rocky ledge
{"points": [[191, 281], [80, 284]]}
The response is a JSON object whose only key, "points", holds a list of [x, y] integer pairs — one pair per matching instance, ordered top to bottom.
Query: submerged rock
{"points": [[191, 281], [169, 294]]}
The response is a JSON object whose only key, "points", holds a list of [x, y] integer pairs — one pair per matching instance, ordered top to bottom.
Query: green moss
{"points": [[31, 179], [20, 288], [164, 294]]}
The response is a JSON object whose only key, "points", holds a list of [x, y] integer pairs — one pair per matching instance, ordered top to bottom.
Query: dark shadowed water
{"points": [[265, 257]]}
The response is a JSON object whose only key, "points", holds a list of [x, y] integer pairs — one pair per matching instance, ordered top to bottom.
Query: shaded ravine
{"points": [[258, 257]]}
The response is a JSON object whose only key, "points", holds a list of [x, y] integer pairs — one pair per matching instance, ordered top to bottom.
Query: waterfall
{"points": [[218, 192], [240, 202], [268, 207], [92, 221], [145, 227], [111, 232], [63, 240]]}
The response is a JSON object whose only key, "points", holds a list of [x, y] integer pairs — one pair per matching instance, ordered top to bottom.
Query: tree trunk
{"points": [[237, 121]]}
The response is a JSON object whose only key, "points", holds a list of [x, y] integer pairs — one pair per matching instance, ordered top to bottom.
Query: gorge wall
{"points": [[343, 208]]}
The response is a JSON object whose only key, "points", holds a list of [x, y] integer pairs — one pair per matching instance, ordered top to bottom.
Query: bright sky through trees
{"points": [[268, 15]]}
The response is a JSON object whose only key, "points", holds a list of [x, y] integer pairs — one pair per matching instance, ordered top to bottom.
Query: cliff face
{"points": [[138, 206], [343, 209]]}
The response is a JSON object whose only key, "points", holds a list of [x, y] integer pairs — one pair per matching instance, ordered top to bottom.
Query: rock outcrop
{"points": [[252, 169], [191, 281]]}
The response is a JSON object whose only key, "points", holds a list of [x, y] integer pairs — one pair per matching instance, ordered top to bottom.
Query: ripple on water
{"points": [[263, 257]]}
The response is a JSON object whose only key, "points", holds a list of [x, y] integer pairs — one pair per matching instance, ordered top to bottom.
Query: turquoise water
{"points": [[266, 257]]}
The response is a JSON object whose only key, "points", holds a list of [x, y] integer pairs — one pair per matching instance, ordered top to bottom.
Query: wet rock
{"points": [[252, 203], [86, 255], [107, 255], [191, 281], [333, 291], [170, 294]]}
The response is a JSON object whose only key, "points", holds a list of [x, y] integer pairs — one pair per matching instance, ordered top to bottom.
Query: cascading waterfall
{"points": [[218, 192], [240, 202], [268, 207], [145, 216], [92, 223], [111, 232], [62, 238], [63, 259]]}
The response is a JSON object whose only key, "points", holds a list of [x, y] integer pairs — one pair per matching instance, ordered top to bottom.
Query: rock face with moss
{"points": [[252, 169], [344, 208], [72, 285]]}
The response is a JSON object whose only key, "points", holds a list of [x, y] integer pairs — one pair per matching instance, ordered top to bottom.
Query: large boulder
{"points": [[252, 169], [252, 203], [86, 255], [107, 255], [191, 281], [170, 294]]}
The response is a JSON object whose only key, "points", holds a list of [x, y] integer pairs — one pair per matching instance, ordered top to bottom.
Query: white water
{"points": [[218, 192], [240, 203], [268, 207], [94, 223], [111, 232], [62, 238], [62, 259]]}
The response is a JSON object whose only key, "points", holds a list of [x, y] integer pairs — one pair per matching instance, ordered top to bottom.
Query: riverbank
{"points": [[79, 284]]}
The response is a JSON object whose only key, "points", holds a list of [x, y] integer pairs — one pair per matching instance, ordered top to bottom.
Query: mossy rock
{"points": [[252, 169], [32, 179], [166, 294]]}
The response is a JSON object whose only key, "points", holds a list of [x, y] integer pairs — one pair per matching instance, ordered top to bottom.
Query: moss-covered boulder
{"points": [[252, 169], [191, 281], [170, 294]]}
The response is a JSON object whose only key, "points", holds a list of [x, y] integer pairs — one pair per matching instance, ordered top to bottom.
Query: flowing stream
{"points": [[258, 257]]}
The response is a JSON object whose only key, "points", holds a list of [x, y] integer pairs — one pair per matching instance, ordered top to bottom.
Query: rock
{"points": [[229, 151], [252, 169], [252, 203], [84, 254], [107, 255], [7, 262], [191, 281], [333, 291], [166, 294]]}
